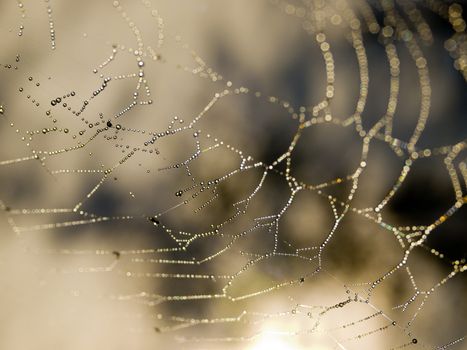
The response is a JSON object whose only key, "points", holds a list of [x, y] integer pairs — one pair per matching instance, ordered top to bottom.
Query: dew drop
{"points": [[154, 221]]}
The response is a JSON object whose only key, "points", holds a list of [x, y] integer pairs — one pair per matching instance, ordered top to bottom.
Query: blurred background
{"points": [[219, 174]]}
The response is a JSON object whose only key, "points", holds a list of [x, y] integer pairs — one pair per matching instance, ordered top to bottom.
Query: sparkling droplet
{"points": [[154, 221]]}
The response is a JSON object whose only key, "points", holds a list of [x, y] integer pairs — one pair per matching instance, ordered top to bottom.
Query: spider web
{"points": [[151, 198]]}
